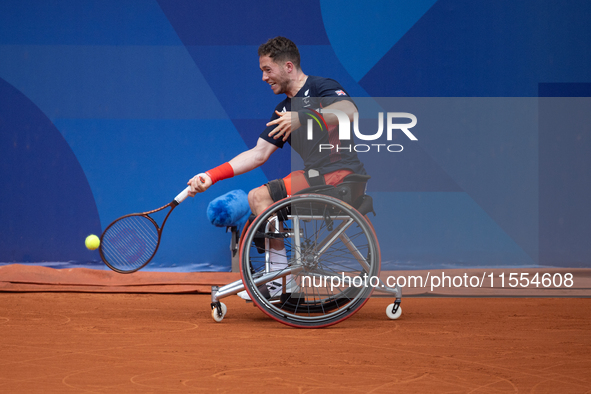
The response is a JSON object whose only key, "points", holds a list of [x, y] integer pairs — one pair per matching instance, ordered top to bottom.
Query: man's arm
{"points": [[345, 106], [289, 121], [253, 158], [244, 162]]}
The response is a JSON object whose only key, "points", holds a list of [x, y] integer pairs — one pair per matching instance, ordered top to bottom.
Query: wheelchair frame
{"points": [[327, 238]]}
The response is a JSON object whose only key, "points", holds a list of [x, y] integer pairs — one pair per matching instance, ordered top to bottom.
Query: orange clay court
{"points": [[83, 338]]}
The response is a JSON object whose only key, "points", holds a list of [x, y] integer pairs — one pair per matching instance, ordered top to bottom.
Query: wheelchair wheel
{"points": [[332, 253]]}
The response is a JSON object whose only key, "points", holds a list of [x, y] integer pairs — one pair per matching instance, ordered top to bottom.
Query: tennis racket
{"points": [[130, 242]]}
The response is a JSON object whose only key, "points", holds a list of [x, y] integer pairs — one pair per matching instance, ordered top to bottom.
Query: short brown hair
{"points": [[281, 49]]}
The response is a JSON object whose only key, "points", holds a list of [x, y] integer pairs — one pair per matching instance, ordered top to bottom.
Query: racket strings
{"points": [[130, 242]]}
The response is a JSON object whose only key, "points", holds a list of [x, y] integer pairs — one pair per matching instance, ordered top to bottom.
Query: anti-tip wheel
{"points": [[391, 315], [216, 316]]}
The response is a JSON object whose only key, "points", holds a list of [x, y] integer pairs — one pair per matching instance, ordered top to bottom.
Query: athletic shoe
{"points": [[268, 290]]}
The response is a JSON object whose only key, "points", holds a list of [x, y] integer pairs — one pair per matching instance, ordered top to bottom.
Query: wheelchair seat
{"points": [[351, 191]]}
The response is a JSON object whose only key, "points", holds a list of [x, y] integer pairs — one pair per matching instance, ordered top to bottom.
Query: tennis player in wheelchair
{"points": [[336, 173]]}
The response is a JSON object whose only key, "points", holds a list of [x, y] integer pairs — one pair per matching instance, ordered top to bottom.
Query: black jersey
{"points": [[318, 93]]}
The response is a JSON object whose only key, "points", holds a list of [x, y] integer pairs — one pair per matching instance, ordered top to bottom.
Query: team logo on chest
{"points": [[306, 100]]}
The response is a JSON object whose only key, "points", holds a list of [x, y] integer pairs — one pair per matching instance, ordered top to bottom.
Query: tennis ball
{"points": [[92, 242]]}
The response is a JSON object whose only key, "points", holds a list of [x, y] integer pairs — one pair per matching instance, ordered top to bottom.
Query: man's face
{"points": [[274, 74]]}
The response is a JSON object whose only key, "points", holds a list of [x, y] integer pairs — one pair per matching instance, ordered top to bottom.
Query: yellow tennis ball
{"points": [[92, 242]]}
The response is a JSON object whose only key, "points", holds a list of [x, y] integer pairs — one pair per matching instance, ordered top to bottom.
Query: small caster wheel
{"points": [[215, 314], [394, 315]]}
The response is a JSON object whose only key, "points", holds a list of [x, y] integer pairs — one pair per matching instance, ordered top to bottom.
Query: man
{"points": [[279, 60]]}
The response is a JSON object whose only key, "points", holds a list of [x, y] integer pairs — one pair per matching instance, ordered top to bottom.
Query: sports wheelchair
{"points": [[333, 258]]}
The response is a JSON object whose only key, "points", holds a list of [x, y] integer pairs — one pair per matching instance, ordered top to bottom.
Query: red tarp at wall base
{"points": [[19, 277], [470, 282]]}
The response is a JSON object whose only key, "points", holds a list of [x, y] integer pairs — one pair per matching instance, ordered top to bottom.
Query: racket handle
{"points": [[185, 193], [182, 195]]}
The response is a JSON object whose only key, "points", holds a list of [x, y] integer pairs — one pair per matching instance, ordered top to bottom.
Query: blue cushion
{"points": [[230, 209]]}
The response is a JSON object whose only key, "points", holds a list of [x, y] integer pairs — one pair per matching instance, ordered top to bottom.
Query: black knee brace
{"points": [[277, 190]]}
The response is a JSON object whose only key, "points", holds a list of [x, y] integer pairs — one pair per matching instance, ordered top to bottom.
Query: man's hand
{"points": [[286, 123], [199, 183]]}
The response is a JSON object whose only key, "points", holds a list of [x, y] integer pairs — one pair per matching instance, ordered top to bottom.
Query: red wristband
{"points": [[220, 172]]}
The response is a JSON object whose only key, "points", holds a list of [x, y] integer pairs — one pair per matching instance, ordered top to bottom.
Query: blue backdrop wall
{"points": [[109, 107]]}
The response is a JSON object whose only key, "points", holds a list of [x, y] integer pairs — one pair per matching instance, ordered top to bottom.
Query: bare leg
{"points": [[259, 199]]}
